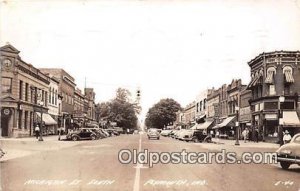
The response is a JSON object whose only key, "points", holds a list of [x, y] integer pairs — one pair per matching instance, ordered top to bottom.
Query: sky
{"points": [[168, 49]]}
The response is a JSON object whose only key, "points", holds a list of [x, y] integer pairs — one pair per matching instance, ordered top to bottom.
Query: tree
{"points": [[120, 109], [162, 113]]}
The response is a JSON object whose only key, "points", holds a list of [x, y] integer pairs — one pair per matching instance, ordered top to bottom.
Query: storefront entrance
{"points": [[5, 117]]}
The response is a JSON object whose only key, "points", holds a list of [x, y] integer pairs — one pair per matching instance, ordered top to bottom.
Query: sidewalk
{"points": [[45, 138], [247, 144], [21, 147]]}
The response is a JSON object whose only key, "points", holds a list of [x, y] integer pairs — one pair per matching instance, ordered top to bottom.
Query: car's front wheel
{"points": [[74, 138], [285, 165]]}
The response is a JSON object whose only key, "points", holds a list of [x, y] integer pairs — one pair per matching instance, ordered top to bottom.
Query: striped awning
{"points": [[288, 76], [270, 77], [256, 80], [290, 118], [47, 119], [225, 123], [204, 125]]}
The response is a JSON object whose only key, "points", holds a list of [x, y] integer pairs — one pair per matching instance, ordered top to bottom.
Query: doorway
{"points": [[4, 125]]}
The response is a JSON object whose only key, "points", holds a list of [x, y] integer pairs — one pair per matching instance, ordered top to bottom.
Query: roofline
{"points": [[276, 52]]}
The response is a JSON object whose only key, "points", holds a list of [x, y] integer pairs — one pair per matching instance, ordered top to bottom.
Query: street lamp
{"points": [[41, 103], [84, 116], [280, 120], [237, 126]]}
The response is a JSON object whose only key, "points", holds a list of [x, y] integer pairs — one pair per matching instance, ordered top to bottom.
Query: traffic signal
{"points": [[138, 94]]}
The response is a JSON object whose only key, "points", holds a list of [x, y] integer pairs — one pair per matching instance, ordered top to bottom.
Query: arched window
{"points": [[271, 71], [288, 74]]}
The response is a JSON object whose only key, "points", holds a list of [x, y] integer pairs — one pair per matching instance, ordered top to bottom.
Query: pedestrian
{"points": [[37, 131], [127, 131], [245, 134], [250, 135], [256, 135], [287, 137], [2, 153]]}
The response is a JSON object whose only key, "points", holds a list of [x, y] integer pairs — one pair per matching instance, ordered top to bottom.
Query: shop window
{"points": [[6, 85], [270, 105], [287, 105], [25, 119], [20, 120]]}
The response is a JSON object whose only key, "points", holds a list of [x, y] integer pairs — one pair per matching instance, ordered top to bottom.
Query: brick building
{"points": [[275, 85], [22, 86], [66, 89], [90, 98], [245, 111], [190, 114]]}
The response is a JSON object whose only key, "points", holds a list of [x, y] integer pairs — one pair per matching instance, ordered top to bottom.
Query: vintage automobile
{"points": [[98, 132], [113, 132], [83, 133], [153, 133], [165, 133], [186, 135], [289, 153]]}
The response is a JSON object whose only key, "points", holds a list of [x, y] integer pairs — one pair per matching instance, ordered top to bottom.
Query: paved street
{"points": [[94, 165]]}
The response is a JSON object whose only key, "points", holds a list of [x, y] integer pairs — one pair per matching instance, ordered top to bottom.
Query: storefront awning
{"points": [[288, 76], [256, 80], [290, 118], [47, 119], [225, 123], [204, 125]]}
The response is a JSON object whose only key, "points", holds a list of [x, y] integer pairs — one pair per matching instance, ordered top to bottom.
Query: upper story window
{"points": [[271, 71], [288, 74], [6, 85], [21, 90], [272, 90]]}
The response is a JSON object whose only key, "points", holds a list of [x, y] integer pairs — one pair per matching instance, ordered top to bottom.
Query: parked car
{"points": [[119, 129], [113, 132], [165, 132], [84, 133], [99, 133], [105, 133], [153, 133], [172, 133], [177, 134], [186, 135], [200, 135], [289, 153]]}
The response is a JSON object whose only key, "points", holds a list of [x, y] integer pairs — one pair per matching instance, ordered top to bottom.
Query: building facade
{"points": [[275, 85], [66, 89], [24, 94], [90, 100], [54, 102], [201, 106], [245, 110], [190, 114]]}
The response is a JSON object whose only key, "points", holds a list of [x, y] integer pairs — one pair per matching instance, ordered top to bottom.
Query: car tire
{"points": [[93, 137], [74, 138], [157, 138], [285, 165]]}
